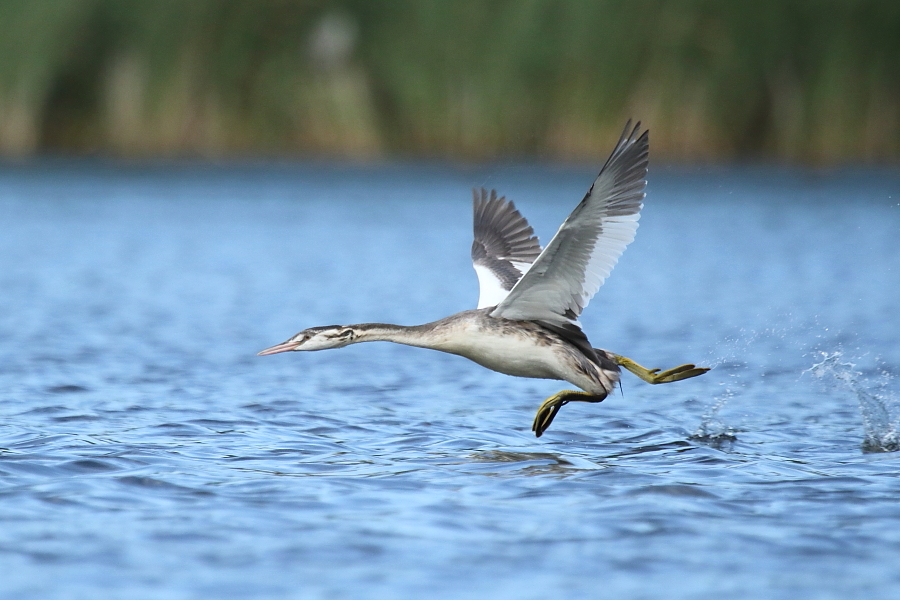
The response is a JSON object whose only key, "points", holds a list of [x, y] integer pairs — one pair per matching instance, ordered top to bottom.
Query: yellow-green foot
{"points": [[655, 376], [547, 411]]}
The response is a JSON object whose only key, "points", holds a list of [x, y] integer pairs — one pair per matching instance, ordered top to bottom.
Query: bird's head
{"points": [[316, 338]]}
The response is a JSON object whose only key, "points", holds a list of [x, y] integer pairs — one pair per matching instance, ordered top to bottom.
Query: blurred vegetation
{"points": [[798, 80]]}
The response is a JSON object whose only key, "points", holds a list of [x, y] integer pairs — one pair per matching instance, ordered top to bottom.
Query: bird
{"points": [[530, 298]]}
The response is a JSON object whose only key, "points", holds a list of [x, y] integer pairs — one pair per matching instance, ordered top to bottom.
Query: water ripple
{"points": [[146, 452]]}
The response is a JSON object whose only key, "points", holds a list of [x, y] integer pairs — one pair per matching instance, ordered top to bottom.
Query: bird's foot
{"points": [[655, 376], [548, 409]]}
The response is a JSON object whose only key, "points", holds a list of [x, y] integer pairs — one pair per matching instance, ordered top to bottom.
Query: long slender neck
{"points": [[422, 336]]}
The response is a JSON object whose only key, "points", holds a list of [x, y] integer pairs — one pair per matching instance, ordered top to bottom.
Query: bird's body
{"points": [[526, 323], [517, 348], [523, 349]]}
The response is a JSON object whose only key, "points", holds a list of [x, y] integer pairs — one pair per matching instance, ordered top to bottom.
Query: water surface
{"points": [[146, 452]]}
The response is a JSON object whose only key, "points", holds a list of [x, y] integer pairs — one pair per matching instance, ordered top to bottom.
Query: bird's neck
{"points": [[422, 336]]}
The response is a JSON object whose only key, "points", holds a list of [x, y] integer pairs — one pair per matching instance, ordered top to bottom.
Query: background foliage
{"points": [[797, 80]]}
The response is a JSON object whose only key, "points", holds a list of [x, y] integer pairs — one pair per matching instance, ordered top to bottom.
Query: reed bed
{"points": [[799, 81]]}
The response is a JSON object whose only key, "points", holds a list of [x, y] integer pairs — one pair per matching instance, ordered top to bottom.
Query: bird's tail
{"points": [[607, 360]]}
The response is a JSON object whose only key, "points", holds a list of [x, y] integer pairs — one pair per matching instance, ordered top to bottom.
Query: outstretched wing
{"points": [[504, 246], [587, 246]]}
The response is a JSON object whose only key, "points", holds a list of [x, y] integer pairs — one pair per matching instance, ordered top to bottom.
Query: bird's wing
{"points": [[504, 246], [587, 246]]}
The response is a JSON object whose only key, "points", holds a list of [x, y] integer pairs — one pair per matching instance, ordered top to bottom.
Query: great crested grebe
{"points": [[526, 323]]}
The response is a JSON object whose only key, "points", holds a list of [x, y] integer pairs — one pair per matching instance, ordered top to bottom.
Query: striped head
{"points": [[315, 338]]}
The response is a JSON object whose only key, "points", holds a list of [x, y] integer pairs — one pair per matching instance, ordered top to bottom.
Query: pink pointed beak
{"points": [[284, 347]]}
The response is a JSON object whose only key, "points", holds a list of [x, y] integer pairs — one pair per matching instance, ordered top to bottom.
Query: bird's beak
{"points": [[284, 347]]}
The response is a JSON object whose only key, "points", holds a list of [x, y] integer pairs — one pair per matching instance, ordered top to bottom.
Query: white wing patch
{"points": [[504, 246], [491, 291]]}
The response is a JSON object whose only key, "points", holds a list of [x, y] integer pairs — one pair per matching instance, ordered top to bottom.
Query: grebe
{"points": [[526, 323]]}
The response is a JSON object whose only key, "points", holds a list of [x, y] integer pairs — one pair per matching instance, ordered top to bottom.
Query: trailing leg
{"points": [[655, 376]]}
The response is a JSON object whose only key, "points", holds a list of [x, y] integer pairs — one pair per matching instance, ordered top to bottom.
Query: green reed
{"points": [[792, 80]]}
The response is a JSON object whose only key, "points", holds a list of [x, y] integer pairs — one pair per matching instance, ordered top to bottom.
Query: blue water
{"points": [[146, 452]]}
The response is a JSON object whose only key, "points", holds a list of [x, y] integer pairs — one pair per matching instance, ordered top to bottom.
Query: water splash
{"points": [[882, 428], [714, 432]]}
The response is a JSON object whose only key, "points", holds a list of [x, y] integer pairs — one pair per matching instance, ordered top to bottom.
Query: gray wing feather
{"points": [[587, 246], [503, 248]]}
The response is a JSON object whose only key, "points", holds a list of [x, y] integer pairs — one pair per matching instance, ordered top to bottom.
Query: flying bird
{"points": [[526, 323]]}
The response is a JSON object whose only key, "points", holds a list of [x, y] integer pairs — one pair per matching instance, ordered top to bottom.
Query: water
{"points": [[146, 452]]}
